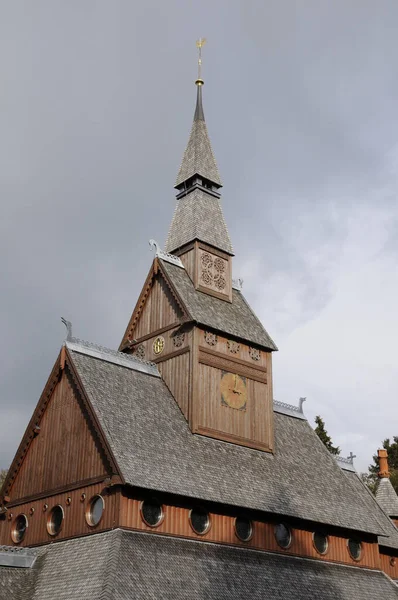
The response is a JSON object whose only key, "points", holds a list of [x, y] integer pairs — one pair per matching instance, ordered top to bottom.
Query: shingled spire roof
{"points": [[198, 157], [198, 214], [387, 497]]}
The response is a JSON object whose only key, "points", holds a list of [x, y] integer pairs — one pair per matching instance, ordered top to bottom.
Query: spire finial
{"points": [[199, 44]]}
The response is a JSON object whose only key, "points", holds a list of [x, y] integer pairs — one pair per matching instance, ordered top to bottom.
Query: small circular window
{"points": [[95, 510], [152, 512], [55, 518], [200, 520], [19, 528], [243, 529], [283, 535], [321, 542], [355, 549]]}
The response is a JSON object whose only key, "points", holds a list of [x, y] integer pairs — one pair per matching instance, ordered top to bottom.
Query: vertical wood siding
{"points": [[160, 310], [176, 375], [252, 426], [64, 451], [74, 523], [222, 531], [389, 565]]}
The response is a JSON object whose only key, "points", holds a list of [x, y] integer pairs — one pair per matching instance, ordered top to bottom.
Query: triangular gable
{"points": [[159, 306], [63, 443]]}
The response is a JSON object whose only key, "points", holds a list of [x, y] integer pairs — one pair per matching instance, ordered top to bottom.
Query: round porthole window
{"points": [[95, 510], [152, 513], [55, 519], [200, 520], [19, 528], [243, 529], [283, 535], [321, 542], [355, 549]]}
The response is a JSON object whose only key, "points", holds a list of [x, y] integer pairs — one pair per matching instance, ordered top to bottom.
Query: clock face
{"points": [[233, 390]]}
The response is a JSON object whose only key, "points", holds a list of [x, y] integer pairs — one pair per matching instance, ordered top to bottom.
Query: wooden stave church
{"points": [[206, 487]]}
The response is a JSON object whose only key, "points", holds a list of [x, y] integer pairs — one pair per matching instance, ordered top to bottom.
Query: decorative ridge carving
{"points": [[174, 260], [237, 284], [130, 361], [290, 409], [347, 464]]}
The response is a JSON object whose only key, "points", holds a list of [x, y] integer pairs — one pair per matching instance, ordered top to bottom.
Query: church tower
{"points": [[192, 319]]}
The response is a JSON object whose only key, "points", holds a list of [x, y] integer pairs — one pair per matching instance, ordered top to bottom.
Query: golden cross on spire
{"points": [[199, 44]]}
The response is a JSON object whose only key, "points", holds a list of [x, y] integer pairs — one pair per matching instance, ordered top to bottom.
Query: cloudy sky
{"points": [[300, 98]]}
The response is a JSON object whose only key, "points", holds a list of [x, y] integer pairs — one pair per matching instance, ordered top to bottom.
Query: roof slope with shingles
{"points": [[198, 158], [198, 216], [235, 318], [300, 480], [365, 497], [387, 497], [121, 565]]}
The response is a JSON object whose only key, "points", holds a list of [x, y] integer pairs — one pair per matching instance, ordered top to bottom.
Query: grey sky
{"points": [[300, 99]]}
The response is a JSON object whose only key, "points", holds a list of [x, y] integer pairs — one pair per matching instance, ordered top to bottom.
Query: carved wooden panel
{"points": [[213, 272], [64, 451]]}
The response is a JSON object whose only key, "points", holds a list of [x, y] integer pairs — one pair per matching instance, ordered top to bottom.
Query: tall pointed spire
{"points": [[198, 157], [198, 214]]}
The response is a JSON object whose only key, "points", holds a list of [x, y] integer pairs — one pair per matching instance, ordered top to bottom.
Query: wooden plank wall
{"points": [[188, 260], [160, 310], [176, 375], [252, 426], [64, 451], [74, 522], [222, 531], [389, 564]]}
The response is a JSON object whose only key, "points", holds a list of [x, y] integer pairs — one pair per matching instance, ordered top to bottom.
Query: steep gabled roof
{"points": [[198, 216], [236, 318], [300, 480], [387, 497], [122, 565]]}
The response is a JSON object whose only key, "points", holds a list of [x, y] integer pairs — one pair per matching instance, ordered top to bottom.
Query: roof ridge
{"points": [[121, 359], [111, 565]]}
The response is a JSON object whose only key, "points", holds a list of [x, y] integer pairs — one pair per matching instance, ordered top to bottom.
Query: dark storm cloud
{"points": [[96, 106]]}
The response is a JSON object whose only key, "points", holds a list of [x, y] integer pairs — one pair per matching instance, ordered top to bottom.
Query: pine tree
{"points": [[323, 435]]}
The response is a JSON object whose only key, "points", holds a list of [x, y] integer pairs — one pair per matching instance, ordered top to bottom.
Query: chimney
{"points": [[383, 464]]}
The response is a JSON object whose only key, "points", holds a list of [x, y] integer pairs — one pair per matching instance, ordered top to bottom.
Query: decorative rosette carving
{"points": [[210, 338], [178, 339], [233, 347], [140, 351], [254, 353]]}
